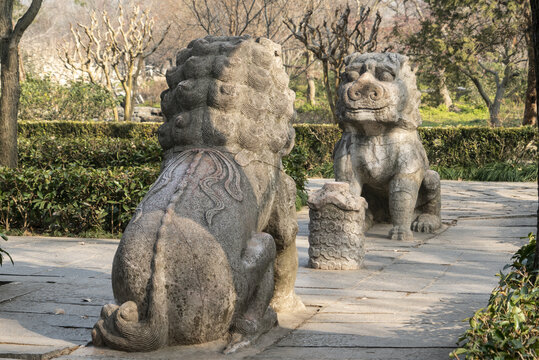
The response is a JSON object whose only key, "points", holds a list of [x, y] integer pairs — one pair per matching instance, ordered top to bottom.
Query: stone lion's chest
{"points": [[378, 159], [375, 161]]}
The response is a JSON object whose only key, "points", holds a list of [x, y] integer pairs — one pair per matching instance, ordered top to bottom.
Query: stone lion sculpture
{"points": [[380, 153], [196, 262]]}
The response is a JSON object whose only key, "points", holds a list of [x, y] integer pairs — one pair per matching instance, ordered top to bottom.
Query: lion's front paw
{"points": [[426, 223], [401, 233], [287, 302]]}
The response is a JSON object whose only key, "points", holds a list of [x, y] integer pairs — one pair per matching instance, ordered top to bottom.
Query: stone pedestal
{"points": [[337, 218]]}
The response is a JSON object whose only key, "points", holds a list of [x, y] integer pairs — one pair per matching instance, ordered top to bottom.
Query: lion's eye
{"points": [[352, 75], [384, 75]]}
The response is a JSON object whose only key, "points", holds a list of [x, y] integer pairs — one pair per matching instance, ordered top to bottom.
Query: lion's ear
{"points": [[350, 58], [398, 59]]}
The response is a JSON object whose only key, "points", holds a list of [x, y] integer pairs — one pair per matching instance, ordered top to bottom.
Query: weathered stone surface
{"points": [[380, 153], [336, 224], [196, 262]]}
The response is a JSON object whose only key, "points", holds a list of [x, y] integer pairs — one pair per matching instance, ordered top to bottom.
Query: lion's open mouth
{"points": [[364, 109]]}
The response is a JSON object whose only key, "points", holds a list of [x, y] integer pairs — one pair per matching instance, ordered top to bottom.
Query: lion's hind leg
{"points": [[283, 226], [258, 317]]}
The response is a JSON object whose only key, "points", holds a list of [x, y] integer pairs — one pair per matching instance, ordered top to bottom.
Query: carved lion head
{"points": [[378, 91], [228, 92]]}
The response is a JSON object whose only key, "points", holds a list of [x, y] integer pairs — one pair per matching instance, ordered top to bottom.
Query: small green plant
{"points": [[294, 165], [4, 252], [508, 328]]}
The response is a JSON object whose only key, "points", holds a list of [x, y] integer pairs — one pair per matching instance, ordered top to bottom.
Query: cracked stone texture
{"points": [[380, 153], [408, 294]]}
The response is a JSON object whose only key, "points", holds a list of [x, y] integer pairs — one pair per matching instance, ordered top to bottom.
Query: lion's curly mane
{"points": [[229, 92]]}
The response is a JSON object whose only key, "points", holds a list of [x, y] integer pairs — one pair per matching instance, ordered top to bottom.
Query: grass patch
{"points": [[469, 115], [490, 172]]}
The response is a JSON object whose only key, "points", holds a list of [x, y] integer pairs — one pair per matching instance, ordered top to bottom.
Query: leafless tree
{"points": [[227, 17], [241, 17], [10, 37], [331, 41], [108, 51]]}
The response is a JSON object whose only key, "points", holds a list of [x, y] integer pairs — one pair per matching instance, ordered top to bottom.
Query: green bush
{"points": [[46, 100], [72, 129], [317, 143], [478, 146], [49, 151], [474, 153], [477, 153], [293, 165], [77, 177], [73, 199], [508, 328]]}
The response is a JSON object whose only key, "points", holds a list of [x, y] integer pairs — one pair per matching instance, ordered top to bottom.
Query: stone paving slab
{"points": [[406, 302], [354, 353]]}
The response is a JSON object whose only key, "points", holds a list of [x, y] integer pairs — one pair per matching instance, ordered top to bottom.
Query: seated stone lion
{"points": [[380, 153], [196, 262]]}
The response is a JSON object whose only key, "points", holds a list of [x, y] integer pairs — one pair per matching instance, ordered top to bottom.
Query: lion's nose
{"points": [[365, 88]]}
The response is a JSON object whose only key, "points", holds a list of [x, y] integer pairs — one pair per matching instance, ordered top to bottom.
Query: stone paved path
{"points": [[407, 302]]}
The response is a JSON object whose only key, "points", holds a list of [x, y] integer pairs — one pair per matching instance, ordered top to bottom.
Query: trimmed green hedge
{"points": [[71, 129], [478, 146], [446, 147], [96, 152], [80, 177], [72, 200]]}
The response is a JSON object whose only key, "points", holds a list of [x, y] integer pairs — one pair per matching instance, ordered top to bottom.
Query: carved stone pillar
{"points": [[337, 219]]}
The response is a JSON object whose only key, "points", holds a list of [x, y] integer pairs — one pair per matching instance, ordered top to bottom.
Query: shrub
{"points": [[46, 100], [73, 129], [317, 142], [478, 146], [447, 147], [470, 148], [49, 152], [294, 166], [72, 199], [508, 327]]}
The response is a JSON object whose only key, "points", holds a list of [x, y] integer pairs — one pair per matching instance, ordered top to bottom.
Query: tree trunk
{"points": [[535, 39], [22, 72], [9, 76], [311, 88], [444, 92], [329, 93], [9, 103], [128, 105], [494, 108], [530, 108], [115, 113], [494, 113]]}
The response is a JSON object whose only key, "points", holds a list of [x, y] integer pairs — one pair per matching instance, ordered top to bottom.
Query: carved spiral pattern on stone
{"points": [[230, 176], [336, 240]]}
